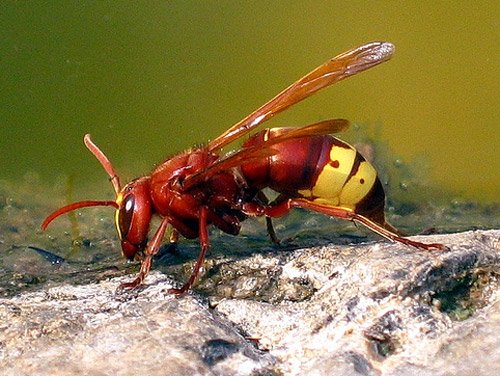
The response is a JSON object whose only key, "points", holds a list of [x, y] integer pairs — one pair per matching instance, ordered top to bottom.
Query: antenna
{"points": [[115, 180]]}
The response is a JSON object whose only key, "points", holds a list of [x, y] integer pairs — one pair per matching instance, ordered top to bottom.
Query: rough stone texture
{"points": [[365, 309], [96, 330]]}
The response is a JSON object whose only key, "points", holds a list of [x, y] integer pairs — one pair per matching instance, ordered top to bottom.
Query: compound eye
{"points": [[125, 215]]}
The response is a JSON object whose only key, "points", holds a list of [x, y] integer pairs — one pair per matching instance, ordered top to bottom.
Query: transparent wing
{"points": [[342, 66]]}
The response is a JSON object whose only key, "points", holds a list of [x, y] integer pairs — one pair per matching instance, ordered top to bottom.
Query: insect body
{"points": [[306, 166], [321, 169]]}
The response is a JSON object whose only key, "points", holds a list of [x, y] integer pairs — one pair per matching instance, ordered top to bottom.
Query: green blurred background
{"points": [[150, 78]]}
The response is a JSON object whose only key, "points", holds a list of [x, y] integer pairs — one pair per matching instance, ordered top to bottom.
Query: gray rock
{"points": [[365, 309], [383, 309], [94, 329]]}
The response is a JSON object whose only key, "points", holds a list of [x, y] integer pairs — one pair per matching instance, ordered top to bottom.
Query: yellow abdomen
{"points": [[345, 179]]}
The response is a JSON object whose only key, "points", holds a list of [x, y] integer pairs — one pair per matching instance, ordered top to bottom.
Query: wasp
{"points": [[306, 166]]}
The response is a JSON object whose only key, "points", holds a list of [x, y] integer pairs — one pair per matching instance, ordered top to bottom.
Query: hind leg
{"points": [[385, 229]]}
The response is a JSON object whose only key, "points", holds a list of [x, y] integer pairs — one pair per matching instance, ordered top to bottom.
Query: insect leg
{"points": [[261, 196], [351, 215], [271, 231], [394, 237], [205, 244], [151, 250]]}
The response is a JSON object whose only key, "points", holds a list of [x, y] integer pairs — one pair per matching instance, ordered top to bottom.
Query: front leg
{"points": [[258, 208], [205, 244], [151, 250]]}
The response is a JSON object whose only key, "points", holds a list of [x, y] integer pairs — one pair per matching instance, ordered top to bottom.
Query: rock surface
{"points": [[365, 309]]}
